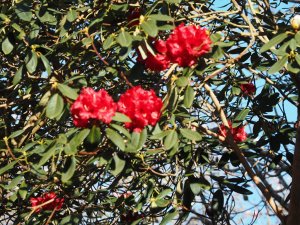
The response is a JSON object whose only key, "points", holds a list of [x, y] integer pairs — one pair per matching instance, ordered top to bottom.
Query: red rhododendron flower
{"points": [[187, 43], [184, 46], [160, 61], [248, 89], [91, 104], [141, 106], [239, 134], [56, 204]]}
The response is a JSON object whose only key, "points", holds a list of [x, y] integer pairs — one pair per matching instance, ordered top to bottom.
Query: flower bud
{"points": [[295, 22]]}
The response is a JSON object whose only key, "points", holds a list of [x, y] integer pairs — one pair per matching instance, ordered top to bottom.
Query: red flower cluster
{"points": [[187, 43], [184, 46], [160, 61], [248, 89], [93, 105], [141, 106], [239, 134], [55, 204]]}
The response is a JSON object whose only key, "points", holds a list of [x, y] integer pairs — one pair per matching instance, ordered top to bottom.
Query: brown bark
{"points": [[294, 208]]}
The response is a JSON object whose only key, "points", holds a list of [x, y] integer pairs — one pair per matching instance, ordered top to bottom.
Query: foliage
{"points": [[176, 170]]}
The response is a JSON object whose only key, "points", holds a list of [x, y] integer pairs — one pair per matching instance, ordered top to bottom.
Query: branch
{"points": [[229, 139]]}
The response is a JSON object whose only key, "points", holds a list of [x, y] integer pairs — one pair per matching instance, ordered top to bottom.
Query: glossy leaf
{"points": [[150, 28], [124, 39], [274, 41], [7, 46], [32, 63], [278, 65], [67, 91], [189, 95], [55, 106], [120, 117], [240, 117], [190, 134], [115, 138], [170, 139], [119, 165], [7, 167], [70, 170]]}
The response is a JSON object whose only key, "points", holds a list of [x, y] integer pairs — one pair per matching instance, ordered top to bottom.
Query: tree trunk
{"points": [[294, 208]]}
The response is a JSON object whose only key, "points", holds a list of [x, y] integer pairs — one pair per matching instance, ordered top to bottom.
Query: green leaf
{"points": [[173, 1], [24, 13], [72, 15], [161, 17], [47, 18], [150, 28], [215, 37], [297, 37], [124, 39], [87, 41], [109, 41], [274, 41], [226, 44], [293, 44], [7, 47], [298, 59], [32, 63], [46, 64], [278, 65], [18, 76], [182, 81], [235, 90], [67, 91], [189, 95], [45, 99], [173, 100], [55, 106], [120, 117], [240, 117], [121, 130], [16, 134], [190, 134], [160, 135], [94, 136], [79, 138], [115, 138], [142, 138], [171, 139], [137, 141], [69, 149], [50, 151], [71, 164], [119, 165], [7, 167], [14, 182], [199, 184], [238, 189], [23, 190], [164, 193], [161, 203], [168, 217], [70, 220]]}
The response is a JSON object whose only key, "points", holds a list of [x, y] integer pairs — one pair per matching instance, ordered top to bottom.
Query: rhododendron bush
{"points": [[149, 112]]}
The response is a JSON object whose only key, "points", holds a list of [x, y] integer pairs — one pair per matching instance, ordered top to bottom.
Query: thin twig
{"points": [[229, 139]]}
